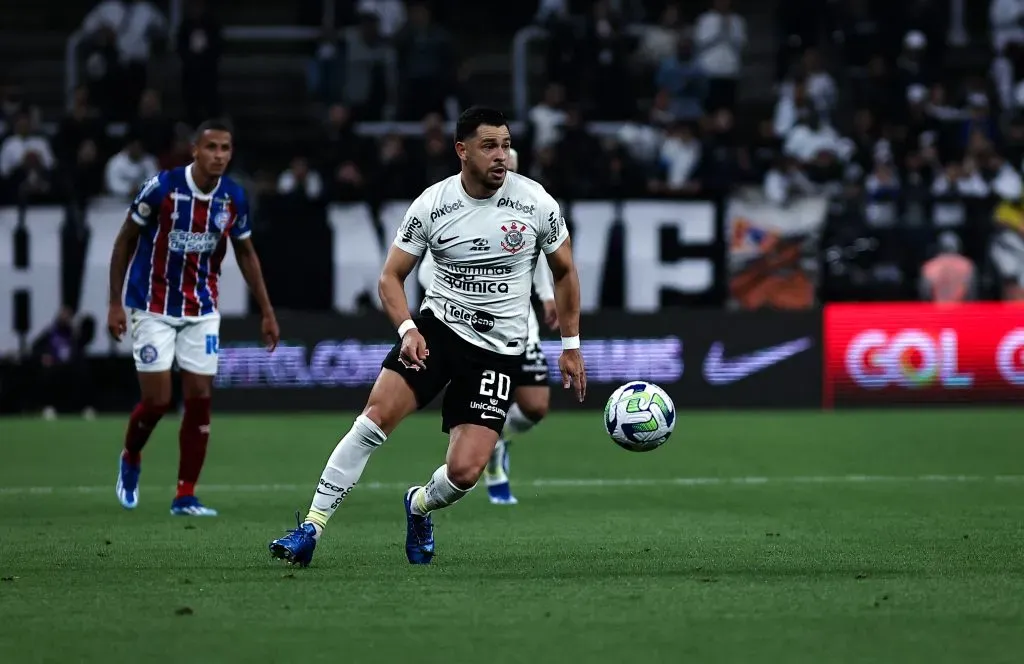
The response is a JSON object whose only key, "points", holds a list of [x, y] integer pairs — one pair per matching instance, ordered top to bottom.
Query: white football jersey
{"points": [[485, 254], [542, 283]]}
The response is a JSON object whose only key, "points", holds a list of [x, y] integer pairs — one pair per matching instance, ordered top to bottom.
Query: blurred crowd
{"points": [[869, 110]]}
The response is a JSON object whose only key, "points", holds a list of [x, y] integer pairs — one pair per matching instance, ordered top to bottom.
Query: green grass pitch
{"points": [[757, 537]]}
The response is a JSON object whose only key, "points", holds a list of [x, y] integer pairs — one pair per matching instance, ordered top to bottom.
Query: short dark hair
{"points": [[472, 118], [212, 125]]}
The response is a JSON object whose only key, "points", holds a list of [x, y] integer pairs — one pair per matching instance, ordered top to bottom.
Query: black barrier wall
{"points": [[709, 359]]}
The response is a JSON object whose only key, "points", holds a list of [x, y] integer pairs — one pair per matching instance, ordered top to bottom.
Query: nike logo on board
{"points": [[719, 370]]}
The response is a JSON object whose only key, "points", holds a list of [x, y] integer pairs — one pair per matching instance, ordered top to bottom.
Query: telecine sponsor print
{"points": [[884, 354]]}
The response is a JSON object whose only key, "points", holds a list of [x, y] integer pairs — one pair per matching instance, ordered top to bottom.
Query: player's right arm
{"points": [[141, 213], [410, 244]]}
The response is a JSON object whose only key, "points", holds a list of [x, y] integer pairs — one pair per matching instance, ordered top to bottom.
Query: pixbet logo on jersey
{"points": [[446, 208], [527, 208], [906, 353]]}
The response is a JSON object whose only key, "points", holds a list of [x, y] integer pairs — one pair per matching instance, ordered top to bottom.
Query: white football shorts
{"points": [[158, 341]]}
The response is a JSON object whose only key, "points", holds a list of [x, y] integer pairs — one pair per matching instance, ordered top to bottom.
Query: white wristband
{"points": [[405, 327], [571, 343]]}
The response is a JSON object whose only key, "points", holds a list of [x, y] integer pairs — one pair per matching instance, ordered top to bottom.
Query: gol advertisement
{"points": [[890, 354]]}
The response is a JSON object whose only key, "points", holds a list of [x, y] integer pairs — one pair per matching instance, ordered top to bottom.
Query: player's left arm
{"points": [[554, 241], [249, 264], [543, 284]]}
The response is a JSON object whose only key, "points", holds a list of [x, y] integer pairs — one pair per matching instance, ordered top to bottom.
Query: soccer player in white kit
{"points": [[486, 229], [532, 395]]}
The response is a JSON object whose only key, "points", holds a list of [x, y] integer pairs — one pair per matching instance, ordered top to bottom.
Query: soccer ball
{"points": [[639, 416]]}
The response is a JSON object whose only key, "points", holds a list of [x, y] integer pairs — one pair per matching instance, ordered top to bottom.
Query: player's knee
{"points": [[534, 404], [387, 419], [464, 472]]}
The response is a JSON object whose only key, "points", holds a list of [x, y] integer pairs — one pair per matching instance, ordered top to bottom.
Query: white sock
{"points": [[516, 423], [343, 470], [495, 471], [437, 493]]}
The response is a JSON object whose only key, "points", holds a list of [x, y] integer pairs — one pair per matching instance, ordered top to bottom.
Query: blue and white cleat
{"points": [[496, 476], [127, 486], [190, 506], [419, 534], [297, 546]]}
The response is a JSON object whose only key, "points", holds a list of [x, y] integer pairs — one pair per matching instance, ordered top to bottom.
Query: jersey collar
{"points": [[196, 191], [496, 196]]}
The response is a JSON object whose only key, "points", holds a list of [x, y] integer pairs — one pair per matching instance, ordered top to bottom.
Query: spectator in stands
{"points": [[390, 15], [931, 19], [1007, 20], [136, 24], [720, 36], [659, 41], [200, 46], [426, 60], [604, 65], [912, 65], [366, 67], [101, 69], [683, 79], [821, 87], [12, 103], [793, 106], [548, 117], [980, 121], [81, 124], [154, 129], [641, 138], [863, 138], [578, 146], [77, 147], [346, 156], [434, 156], [681, 156], [26, 161], [725, 163], [544, 168], [129, 169], [625, 177], [395, 179], [960, 179], [300, 180], [785, 180], [882, 189], [949, 276], [63, 381]]}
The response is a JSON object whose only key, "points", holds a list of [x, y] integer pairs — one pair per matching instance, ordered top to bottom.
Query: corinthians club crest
{"points": [[514, 240]]}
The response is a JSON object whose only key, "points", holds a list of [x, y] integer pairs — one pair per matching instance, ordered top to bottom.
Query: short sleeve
{"points": [[146, 205], [241, 229], [553, 231], [412, 234]]}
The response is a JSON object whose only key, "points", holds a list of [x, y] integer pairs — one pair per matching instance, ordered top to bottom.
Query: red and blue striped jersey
{"points": [[176, 264]]}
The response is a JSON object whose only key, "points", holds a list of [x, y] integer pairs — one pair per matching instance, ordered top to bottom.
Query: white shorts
{"points": [[157, 341]]}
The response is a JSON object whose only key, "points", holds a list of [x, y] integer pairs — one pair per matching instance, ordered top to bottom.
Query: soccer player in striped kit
{"points": [[164, 270]]}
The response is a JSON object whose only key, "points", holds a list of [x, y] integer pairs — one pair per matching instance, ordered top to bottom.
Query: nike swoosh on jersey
{"points": [[446, 240], [719, 370], [489, 417]]}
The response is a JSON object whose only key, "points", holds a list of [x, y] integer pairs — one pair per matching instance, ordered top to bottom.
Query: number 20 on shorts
{"points": [[494, 384]]}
